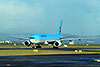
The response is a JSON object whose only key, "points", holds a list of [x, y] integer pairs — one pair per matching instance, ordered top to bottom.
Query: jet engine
{"points": [[27, 43], [57, 43]]}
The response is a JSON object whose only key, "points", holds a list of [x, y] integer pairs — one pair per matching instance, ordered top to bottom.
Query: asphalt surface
{"points": [[45, 48], [66, 49], [58, 60], [69, 60]]}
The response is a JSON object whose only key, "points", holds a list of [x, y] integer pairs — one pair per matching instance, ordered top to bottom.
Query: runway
{"points": [[66, 49], [58, 60], [78, 60]]}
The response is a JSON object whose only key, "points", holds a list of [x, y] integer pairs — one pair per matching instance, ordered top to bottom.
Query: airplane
{"points": [[50, 39]]}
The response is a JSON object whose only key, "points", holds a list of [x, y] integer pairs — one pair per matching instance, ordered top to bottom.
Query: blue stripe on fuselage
{"points": [[46, 36]]}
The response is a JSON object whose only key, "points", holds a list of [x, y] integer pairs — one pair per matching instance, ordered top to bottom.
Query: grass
{"points": [[19, 45], [12, 46], [84, 46], [93, 50], [29, 52], [40, 52], [45, 52]]}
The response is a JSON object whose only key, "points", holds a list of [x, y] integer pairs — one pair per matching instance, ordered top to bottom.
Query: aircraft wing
{"points": [[19, 38], [81, 38], [70, 39]]}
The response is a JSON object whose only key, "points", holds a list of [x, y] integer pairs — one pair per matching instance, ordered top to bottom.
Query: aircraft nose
{"points": [[31, 40]]}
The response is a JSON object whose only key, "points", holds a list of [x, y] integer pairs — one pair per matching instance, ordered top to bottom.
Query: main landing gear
{"points": [[36, 46], [55, 47]]}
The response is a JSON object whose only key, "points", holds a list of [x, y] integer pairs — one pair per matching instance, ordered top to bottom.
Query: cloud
{"points": [[15, 13], [79, 16]]}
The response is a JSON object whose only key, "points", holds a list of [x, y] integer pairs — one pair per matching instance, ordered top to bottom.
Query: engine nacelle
{"points": [[46, 42], [27, 43], [57, 43]]}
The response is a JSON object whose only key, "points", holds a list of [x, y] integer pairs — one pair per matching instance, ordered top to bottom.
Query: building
{"points": [[5, 41]]}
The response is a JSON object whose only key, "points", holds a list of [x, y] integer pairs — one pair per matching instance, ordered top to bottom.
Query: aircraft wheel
{"points": [[38, 46], [33, 47], [55, 47]]}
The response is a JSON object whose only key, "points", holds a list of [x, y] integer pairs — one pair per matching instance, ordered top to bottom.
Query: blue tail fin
{"points": [[60, 27]]}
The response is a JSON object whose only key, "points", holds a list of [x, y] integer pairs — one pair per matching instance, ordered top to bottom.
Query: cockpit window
{"points": [[32, 38]]}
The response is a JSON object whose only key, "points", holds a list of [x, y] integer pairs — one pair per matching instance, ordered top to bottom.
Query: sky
{"points": [[81, 17]]}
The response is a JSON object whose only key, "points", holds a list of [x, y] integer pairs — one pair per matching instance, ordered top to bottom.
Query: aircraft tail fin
{"points": [[60, 27]]}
